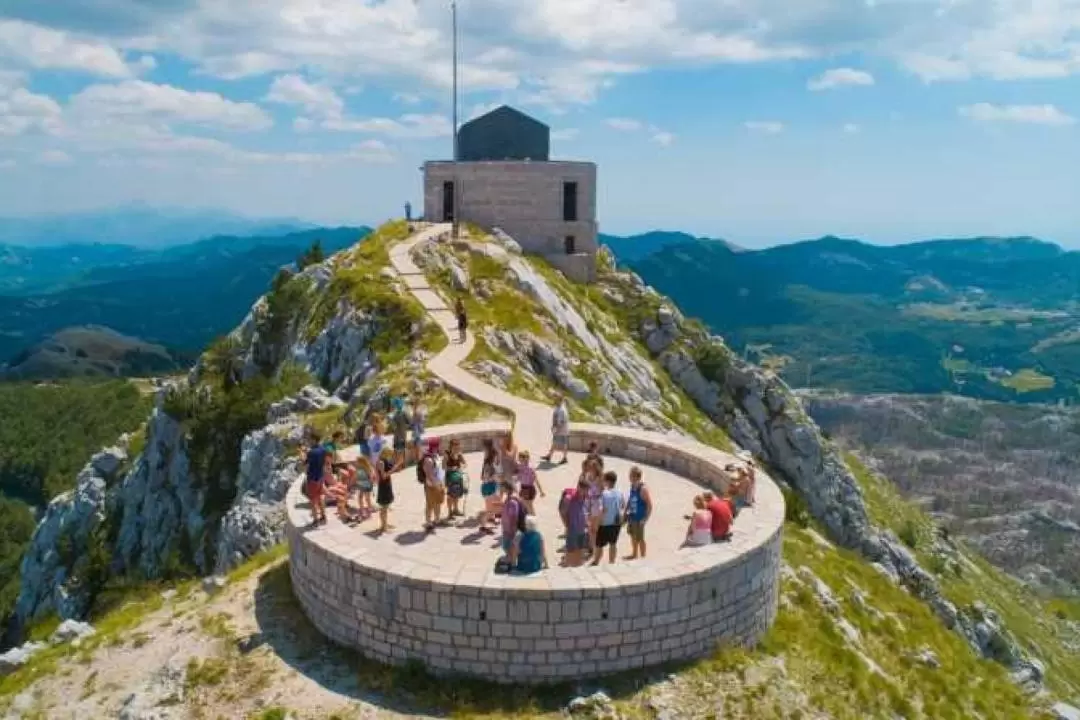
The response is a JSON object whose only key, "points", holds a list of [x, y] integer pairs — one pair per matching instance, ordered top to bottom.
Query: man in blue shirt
{"points": [[315, 463]]}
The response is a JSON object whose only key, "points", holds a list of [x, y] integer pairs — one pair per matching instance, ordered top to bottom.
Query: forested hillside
{"points": [[990, 318]]}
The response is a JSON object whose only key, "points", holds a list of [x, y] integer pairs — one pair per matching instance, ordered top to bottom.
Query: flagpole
{"points": [[457, 178]]}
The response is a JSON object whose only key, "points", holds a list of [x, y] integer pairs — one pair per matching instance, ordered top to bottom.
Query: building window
{"points": [[448, 201], [569, 202], [570, 245]]}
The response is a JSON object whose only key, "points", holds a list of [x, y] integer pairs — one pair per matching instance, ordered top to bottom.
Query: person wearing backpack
{"points": [[513, 516]]}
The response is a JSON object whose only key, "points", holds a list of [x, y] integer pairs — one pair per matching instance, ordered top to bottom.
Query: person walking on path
{"points": [[462, 319], [560, 431], [638, 509]]}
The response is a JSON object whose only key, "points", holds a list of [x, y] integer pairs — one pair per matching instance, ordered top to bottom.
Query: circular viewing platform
{"points": [[436, 599]]}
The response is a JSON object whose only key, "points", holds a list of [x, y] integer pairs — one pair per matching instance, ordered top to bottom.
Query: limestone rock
{"points": [[509, 243], [107, 462], [256, 519], [214, 584], [71, 630], [15, 658], [928, 658], [597, 706], [1064, 711]]}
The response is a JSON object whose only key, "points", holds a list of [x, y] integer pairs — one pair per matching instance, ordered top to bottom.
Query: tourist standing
{"points": [[462, 319], [400, 425], [419, 425], [560, 431], [315, 462], [431, 475], [455, 479], [528, 482], [365, 486], [489, 487], [384, 493], [638, 509], [611, 512], [577, 527], [529, 554]]}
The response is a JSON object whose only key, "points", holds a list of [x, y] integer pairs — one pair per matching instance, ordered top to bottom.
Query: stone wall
{"points": [[523, 198], [580, 267], [563, 624]]}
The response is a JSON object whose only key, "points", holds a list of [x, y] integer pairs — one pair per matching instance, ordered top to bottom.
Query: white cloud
{"points": [[46, 49], [840, 77], [407, 98], [315, 99], [137, 100], [22, 111], [1030, 114], [625, 124], [407, 126], [765, 127], [851, 128], [564, 135], [662, 137], [54, 157], [7, 163]]}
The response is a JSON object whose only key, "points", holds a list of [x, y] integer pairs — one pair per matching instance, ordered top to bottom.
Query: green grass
{"points": [[1028, 380]]}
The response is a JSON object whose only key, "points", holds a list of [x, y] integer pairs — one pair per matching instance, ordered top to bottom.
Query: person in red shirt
{"points": [[722, 516]]}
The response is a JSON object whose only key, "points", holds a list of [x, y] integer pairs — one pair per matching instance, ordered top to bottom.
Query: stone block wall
{"points": [[523, 198], [570, 623]]}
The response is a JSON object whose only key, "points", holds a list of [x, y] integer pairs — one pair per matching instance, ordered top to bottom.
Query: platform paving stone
{"points": [[410, 595]]}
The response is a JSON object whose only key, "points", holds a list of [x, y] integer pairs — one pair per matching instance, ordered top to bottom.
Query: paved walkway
{"points": [[532, 420]]}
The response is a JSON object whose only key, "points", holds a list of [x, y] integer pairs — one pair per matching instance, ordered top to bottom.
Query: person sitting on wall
{"points": [[722, 516], [699, 531], [528, 554]]}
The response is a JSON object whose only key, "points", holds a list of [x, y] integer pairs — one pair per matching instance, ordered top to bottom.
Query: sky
{"points": [[758, 121]]}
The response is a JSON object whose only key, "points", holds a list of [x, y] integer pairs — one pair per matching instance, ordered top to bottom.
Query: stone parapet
{"points": [[563, 623]]}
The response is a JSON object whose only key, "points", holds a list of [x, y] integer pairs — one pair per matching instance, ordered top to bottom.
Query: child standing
{"points": [[528, 482], [365, 485], [489, 488], [638, 509], [611, 512]]}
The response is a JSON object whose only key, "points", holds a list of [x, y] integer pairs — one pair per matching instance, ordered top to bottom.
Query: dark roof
{"points": [[504, 113], [504, 134]]}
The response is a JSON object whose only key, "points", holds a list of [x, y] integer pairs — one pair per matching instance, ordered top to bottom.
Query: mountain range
{"points": [[179, 297], [995, 318]]}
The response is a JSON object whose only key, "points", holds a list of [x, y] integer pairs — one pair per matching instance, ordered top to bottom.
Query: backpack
{"points": [[420, 477]]}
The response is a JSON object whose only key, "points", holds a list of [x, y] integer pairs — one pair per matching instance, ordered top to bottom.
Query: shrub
{"points": [[312, 256], [714, 360], [795, 508], [909, 534]]}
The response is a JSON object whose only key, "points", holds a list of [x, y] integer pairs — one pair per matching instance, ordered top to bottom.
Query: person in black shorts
{"points": [[384, 493]]}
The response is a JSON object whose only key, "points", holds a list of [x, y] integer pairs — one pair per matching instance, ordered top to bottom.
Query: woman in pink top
{"points": [[528, 483], [699, 532]]}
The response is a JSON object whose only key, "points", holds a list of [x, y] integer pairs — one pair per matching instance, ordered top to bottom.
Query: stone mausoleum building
{"points": [[504, 178]]}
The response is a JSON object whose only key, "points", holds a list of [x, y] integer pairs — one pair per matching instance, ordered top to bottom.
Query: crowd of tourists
{"points": [[592, 512]]}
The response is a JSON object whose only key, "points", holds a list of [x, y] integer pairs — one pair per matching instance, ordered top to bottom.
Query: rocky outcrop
{"points": [[256, 520], [54, 567]]}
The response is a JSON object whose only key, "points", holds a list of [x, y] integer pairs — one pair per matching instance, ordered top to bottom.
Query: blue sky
{"points": [[755, 120]]}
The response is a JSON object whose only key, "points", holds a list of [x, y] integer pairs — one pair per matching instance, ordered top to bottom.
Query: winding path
{"points": [[532, 420]]}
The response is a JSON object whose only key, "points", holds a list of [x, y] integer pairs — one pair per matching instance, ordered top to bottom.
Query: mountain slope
{"points": [[181, 298], [991, 318], [89, 352], [909, 636]]}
